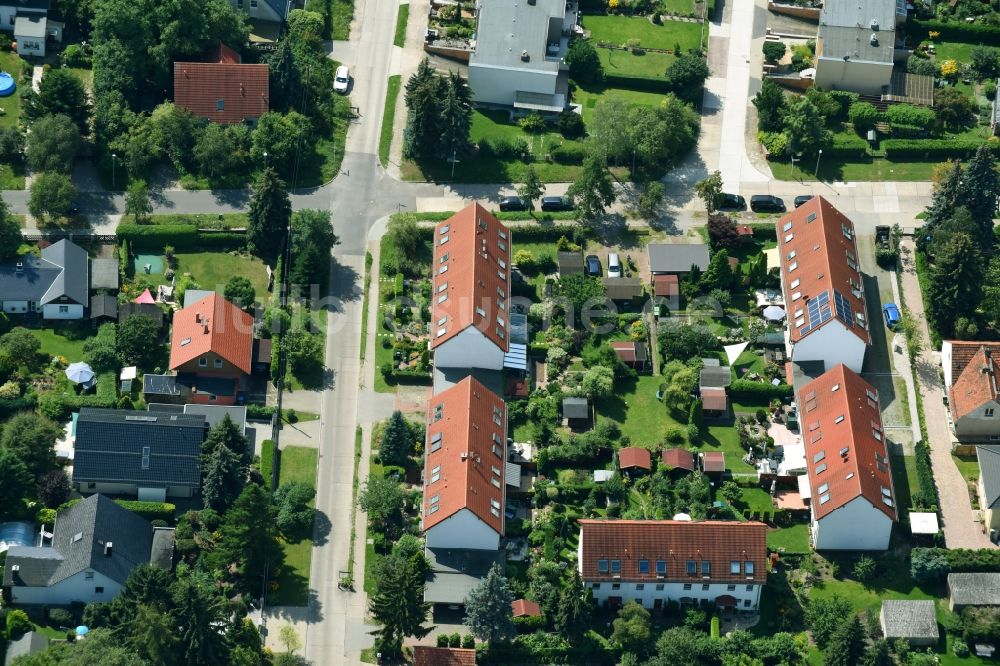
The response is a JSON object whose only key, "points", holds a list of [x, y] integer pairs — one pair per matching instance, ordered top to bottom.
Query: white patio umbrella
{"points": [[774, 313], [80, 373]]}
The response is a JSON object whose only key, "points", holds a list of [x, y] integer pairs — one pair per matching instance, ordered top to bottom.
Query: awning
{"points": [[554, 103], [516, 358], [512, 474], [805, 491]]}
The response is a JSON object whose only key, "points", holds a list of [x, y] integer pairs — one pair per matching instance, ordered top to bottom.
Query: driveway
{"points": [[959, 521]]}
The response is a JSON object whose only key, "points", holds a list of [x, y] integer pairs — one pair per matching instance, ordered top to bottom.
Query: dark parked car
{"points": [[802, 198], [732, 202], [513, 203], [557, 203], [766, 203], [592, 265]]}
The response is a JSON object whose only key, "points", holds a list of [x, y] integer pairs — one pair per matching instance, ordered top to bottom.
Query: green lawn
{"points": [[679, 6], [343, 12], [401, 18], [619, 29], [953, 51], [649, 65], [86, 76], [589, 97], [11, 105], [388, 117], [835, 169], [12, 176], [220, 221], [213, 269], [64, 339], [641, 417], [297, 464], [755, 499], [794, 539]]}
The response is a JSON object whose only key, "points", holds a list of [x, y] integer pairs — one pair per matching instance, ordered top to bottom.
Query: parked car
{"points": [[341, 79], [802, 198], [732, 202], [557, 203], [767, 203], [512, 204], [592, 265], [614, 265], [891, 314]]}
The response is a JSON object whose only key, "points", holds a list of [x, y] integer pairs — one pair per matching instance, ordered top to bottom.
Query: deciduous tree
{"points": [[584, 63], [687, 74], [60, 92], [770, 103], [952, 107], [805, 126], [53, 144], [532, 188], [710, 190], [592, 191], [52, 196], [137, 202], [10, 233], [312, 241], [240, 292], [134, 340], [22, 345], [598, 382], [32, 438], [15, 484], [53, 488], [382, 499], [295, 516], [825, 616], [630, 630], [847, 644]]}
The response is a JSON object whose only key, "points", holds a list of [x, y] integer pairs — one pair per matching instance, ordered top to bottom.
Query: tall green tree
{"points": [[583, 62], [687, 74], [285, 77], [424, 90], [60, 92], [770, 103], [456, 117], [805, 127], [282, 136], [53, 144], [218, 151], [532, 188], [710, 190], [592, 191], [979, 191], [52, 196], [944, 199], [137, 202], [270, 214], [10, 233], [313, 239], [719, 273], [955, 284], [991, 291], [240, 292], [134, 339], [226, 434], [32, 439], [394, 448], [223, 478], [15, 484], [53, 488], [382, 499], [295, 516], [249, 537], [398, 606], [575, 609], [200, 612], [488, 613], [825, 616], [630, 630], [154, 636], [847, 645], [102, 646], [877, 654]]}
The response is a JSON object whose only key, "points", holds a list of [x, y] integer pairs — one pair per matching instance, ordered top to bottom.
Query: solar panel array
{"points": [[844, 310], [819, 311]]}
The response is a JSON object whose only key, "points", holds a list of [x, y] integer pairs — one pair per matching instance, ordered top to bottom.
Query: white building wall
{"points": [[258, 9], [34, 46], [857, 76], [497, 85], [12, 307], [51, 311], [833, 344], [469, 349], [946, 364], [977, 426], [106, 488], [855, 526], [463, 530], [74, 588], [747, 595]]}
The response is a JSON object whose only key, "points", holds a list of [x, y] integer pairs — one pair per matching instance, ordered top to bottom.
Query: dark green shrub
{"points": [[571, 125], [150, 510], [60, 617]]}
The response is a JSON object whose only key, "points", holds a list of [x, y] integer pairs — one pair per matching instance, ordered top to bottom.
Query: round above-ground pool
{"points": [[7, 85]]}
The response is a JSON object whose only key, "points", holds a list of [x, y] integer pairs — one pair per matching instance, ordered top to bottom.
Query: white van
{"points": [[341, 79], [614, 265]]}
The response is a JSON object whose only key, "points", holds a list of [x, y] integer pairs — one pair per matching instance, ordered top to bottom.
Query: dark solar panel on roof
{"points": [[844, 310], [819, 311]]}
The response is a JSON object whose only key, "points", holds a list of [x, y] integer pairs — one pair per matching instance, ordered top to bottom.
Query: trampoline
{"points": [[7, 85], [153, 261], [16, 534]]}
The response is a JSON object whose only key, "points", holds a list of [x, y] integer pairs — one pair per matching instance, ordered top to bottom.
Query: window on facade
{"points": [[220, 105], [443, 259], [63, 308], [202, 362], [218, 362], [989, 411], [435, 440], [820, 468], [825, 487], [495, 507], [602, 566], [616, 566], [644, 566], [661, 567], [692, 567], [734, 567], [706, 568], [89, 575], [595, 586], [616, 586], [687, 586], [639, 587], [659, 587], [704, 587], [730, 588], [749, 588], [98, 590], [746, 603]]}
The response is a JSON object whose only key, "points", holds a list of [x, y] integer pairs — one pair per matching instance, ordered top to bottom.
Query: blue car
{"points": [[891, 314]]}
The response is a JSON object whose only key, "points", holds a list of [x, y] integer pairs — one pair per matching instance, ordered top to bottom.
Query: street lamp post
{"points": [[818, 157], [114, 180]]}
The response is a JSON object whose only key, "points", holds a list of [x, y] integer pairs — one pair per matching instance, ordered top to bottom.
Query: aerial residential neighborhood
{"points": [[540, 332]]}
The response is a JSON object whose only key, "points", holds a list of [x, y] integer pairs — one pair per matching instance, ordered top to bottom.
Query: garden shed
{"points": [[910, 620]]}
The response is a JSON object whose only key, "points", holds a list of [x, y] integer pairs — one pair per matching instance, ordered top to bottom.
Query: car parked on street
{"points": [[341, 79], [801, 199], [731, 202], [556, 203], [767, 203], [513, 204], [592, 266], [891, 314]]}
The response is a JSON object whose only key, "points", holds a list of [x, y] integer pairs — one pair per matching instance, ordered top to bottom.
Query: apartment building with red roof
{"points": [[223, 89], [822, 283], [470, 301], [211, 349], [972, 389], [464, 464], [852, 498], [723, 563]]}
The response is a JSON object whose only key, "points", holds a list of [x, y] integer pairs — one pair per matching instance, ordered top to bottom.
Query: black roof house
{"points": [[60, 274], [149, 449]]}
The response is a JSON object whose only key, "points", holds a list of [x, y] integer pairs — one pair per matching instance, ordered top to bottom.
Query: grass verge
{"points": [[401, 18], [388, 118], [204, 221], [364, 306], [298, 463], [354, 500]]}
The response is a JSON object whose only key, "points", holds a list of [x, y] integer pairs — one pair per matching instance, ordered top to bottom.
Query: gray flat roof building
{"points": [[676, 257], [104, 274], [576, 408], [456, 572]]}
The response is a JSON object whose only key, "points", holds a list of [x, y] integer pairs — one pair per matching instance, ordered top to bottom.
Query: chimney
{"points": [[186, 76], [243, 90], [197, 317], [205, 329], [464, 457], [107, 549]]}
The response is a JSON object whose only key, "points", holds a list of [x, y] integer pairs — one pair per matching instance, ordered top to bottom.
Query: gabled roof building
{"points": [[223, 89], [822, 283], [55, 284], [470, 306], [971, 382], [466, 452], [853, 498], [723, 563]]}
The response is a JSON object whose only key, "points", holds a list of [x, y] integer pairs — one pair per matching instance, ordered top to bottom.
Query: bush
{"points": [[972, 33], [774, 51], [990, 90], [907, 114], [863, 116], [533, 123], [571, 125], [775, 143], [847, 145], [505, 149], [930, 149], [568, 153], [184, 237], [743, 388], [150, 510], [46, 517], [60, 617], [442, 640], [455, 640], [468, 641], [961, 649]]}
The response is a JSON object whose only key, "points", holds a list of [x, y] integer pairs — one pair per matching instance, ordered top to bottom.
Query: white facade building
{"points": [[855, 45]]}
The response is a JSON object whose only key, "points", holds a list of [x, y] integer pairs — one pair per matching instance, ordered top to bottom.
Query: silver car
{"points": [[341, 79]]}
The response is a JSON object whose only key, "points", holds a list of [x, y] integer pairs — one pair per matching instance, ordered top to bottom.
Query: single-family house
{"points": [[275, 11], [32, 28], [855, 45], [517, 60], [223, 89], [676, 258], [570, 263], [54, 285], [621, 289], [824, 294], [470, 306], [211, 350], [632, 353], [971, 382], [714, 401], [576, 409], [466, 450], [151, 455], [678, 459], [634, 460], [713, 463], [989, 485], [853, 499], [95, 545], [722, 563], [973, 589], [525, 608], [913, 621], [30, 643], [424, 655]]}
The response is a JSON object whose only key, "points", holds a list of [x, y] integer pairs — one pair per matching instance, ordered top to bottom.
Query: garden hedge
{"points": [[953, 31], [640, 84], [847, 145], [937, 149], [568, 153], [764, 231], [183, 237], [744, 388], [14, 405], [267, 451], [927, 496], [150, 510], [968, 560]]}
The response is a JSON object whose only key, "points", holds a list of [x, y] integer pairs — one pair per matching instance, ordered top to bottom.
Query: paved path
{"points": [[961, 530]]}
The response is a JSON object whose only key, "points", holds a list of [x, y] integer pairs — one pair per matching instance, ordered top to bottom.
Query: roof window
{"points": [[810, 217], [787, 226], [444, 229], [789, 237], [444, 239], [443, 259], [792, 266], [443, 270], [795, 283], [442, 287], [797, 295], [442, 298], [836, 387], [839, 419], [819, 456], [820, 468], [436, 474], [824, 488], [823, 499], [602, 566]]}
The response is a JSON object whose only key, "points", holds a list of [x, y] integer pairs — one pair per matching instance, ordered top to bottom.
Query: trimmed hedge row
{"points": [[953, 31], [641, 84], [847, 145], [930, 148], [568, 153], [764, 231], [183, 237], [744, 388], [14, 405], [927, 495], [148, 510], [967, 560]]}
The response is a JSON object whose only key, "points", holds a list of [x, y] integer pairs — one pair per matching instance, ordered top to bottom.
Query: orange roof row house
{"points": [[971, 381], [424, 655]]}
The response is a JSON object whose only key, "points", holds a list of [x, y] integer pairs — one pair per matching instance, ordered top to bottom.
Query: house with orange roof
{"points": [[223, 89], [822, 284], [470, 301], [211, 350], [970, 376], [464, 464], [852, 498], [722, 563], [424, 655]]}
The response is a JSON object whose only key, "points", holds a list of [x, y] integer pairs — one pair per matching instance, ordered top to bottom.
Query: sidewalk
{"points": [[961, 529]]}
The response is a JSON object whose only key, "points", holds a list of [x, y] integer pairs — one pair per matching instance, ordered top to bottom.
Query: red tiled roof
{"points": [[241, 89], [744, 230], [821, 263], [471, 271], [666, 285], [215, 325], [625, 351], [962, 353], [975, 386], [714, 399], [471, 423], [845, 450], [634, 456], [678, 458], [713, 461], [675, 542], [524, 607], [424, 655]]}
